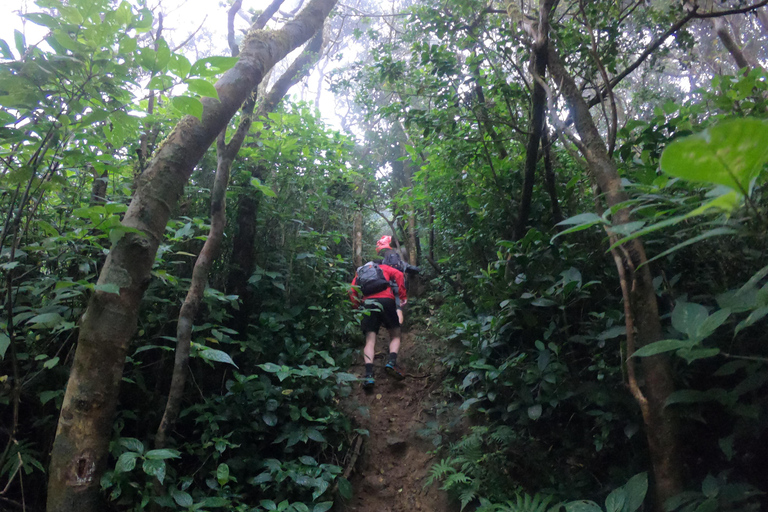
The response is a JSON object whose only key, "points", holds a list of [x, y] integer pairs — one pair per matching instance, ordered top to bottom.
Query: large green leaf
{"points": [[187, 105], [730, 153], [688, 316], [659, 347], [635, 489]]}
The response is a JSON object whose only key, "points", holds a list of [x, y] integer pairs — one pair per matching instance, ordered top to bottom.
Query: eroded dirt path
{"points": [[394, 462]]}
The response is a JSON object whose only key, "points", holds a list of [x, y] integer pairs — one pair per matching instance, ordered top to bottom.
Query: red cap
{"points": [[383, 243]]}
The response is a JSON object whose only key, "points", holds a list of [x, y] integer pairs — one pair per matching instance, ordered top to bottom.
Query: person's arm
{"points": [[401, 286], [353, 296]]}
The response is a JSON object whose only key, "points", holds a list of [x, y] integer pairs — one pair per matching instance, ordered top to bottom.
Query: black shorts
{"points": [[382, 312]]}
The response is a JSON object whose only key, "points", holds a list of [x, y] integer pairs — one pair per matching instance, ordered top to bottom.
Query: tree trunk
{"points": [[721, 29], [538, 107], [549, 178], [99, 187], [357, 239], [660, 424], [79, 452]]}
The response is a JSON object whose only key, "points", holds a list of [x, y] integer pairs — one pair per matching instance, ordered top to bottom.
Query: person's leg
{"points": [[400, 316], [394, 340], [370, 347], [394, 347]]}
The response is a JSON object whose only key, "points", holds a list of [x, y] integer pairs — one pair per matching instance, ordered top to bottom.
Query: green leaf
{"points": [[42, 19], [21, 44], [5, 50], [179, 65], [212, 66], [202, 87], [188, 105], [730, 153], [263, 188], [582, 221], [691, 241], [108, 288], [688, 316], [753, 317], [45, 321], [712, 322], [5, 342], [659, 347], [216, 355], [51, 363], [270, 367], [47, 396], [692, 396], [534, 412], [270, 419], [315, 435], [132, 444], [162, 454], [307, 460], [126, 462], [154, 467], [222, 474], [345, 488], [635, 489], [182, 498], [615, 501], [215, 502], [268, 504], [323, 506], [582, 506]]}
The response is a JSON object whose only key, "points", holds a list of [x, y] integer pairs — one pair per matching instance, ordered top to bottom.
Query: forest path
{"points": [[395, 461]]}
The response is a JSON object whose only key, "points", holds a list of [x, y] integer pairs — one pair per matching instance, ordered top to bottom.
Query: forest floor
{"points": [[395, 460]]}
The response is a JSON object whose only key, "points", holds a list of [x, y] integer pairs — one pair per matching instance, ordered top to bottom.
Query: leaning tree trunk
{"points": [[721, 29], [538, 107], [549, 178], [357, 238], [85, 423], [660, 424]]}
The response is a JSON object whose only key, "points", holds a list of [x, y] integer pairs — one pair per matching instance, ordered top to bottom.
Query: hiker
{"points": [[391, 257], [372, 282]]}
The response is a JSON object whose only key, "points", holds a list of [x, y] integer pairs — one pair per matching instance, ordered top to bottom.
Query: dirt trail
{"points": [[394, 463]]}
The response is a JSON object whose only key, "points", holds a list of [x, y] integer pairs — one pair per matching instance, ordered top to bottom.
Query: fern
{"points": [[503, 435], [440, 470], [454, 479], [467, 495], [524, 503]]}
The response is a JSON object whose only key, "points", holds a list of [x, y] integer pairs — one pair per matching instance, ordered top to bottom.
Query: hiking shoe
{"points": [[394, 371], [368, 382]]}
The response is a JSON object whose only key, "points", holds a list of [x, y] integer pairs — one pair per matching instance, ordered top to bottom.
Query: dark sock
{"points": [[393, 357], [369, 369]]}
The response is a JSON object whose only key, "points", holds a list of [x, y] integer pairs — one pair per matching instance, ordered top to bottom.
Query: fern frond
{"points": [[439, 470], [456, 478], [467, 495]]}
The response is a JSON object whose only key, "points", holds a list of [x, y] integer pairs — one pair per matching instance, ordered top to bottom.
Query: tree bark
{"points": [[721, 29], [538, 107], [549, 178], [99, 187], [357, 238], [661, 426], [79, 451]]}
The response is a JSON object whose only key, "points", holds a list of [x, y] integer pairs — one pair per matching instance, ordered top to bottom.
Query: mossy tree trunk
{"points": [[79, 452]]}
